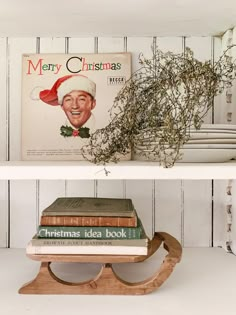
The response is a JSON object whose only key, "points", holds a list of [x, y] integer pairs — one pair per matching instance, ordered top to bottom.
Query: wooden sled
{"points": [[107, 281]]}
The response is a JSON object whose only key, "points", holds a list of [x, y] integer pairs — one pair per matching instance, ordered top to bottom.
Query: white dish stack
{"points": [[210, 144]]}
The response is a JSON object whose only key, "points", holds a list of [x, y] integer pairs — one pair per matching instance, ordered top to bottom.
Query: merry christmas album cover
{"points": [[65, 98]]}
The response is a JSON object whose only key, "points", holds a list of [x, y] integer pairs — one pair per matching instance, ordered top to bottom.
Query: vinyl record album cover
{"points": [[65, 98]]}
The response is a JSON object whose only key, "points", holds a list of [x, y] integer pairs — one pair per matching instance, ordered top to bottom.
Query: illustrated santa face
{"points": [[77, 106]]}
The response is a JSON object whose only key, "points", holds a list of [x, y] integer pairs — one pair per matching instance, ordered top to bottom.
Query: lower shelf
{"points": [[107, 281], [203, 283]]}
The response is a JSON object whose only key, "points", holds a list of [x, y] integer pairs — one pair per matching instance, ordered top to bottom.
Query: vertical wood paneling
{"points": [[111, 44], [173, 44], [49, 45], [81, 45], [3, 100], [3, 142], [83, 188], [111, 188], [48, 191], [141, 191], [22, 193], [168, 193], [197, 194], [169, 204], [23, 210], [3, 213], [197, 213]]}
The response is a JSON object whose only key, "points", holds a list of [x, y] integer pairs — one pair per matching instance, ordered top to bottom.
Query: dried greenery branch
{"points": [[154, 111]]}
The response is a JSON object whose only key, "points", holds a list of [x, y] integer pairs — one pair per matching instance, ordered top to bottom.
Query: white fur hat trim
{"points": [[79, 83]]}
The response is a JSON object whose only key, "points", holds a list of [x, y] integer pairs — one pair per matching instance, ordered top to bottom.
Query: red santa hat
{"points": [[65, 85]]}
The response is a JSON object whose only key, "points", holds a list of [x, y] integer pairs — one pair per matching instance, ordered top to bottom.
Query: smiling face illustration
{"points": [[77, 106]]}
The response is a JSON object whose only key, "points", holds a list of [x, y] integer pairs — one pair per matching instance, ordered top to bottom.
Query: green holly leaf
{"points": [[66, 131], [84, 132]]}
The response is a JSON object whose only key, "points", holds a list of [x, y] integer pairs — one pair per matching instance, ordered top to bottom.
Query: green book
{"points": [[86, 206], [90, 232]]}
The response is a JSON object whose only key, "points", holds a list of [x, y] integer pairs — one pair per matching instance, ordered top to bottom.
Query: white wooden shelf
{"points": [[116, 18], [122, 170], [204, 282]]}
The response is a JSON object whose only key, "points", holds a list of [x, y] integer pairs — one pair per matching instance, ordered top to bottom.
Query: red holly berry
{"points": [[75, 133]]}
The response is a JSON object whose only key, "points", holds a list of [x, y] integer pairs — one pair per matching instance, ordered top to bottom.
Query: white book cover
{"points": [[65, 98], [38, 241], [85, 250]]}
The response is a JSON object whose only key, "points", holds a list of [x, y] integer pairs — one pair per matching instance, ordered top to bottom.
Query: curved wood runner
{"points": [[107, 281]]}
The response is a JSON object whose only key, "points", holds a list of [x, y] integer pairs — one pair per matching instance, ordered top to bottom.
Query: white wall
{"points": [[182, 208]]}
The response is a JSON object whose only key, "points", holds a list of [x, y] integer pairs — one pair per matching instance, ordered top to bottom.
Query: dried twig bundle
{"points": [[157, 106]]}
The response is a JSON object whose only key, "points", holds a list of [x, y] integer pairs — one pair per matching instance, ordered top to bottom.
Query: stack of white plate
{"points": [[212, 143]]}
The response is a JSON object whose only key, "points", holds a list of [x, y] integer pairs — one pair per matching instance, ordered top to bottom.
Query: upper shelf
{"points": [[71, 18], [122, 170]]}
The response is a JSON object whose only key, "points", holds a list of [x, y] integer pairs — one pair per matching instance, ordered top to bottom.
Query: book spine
{"points": [[88, 213], [88, 221], [89, 232], [88, 242], [86, 250]]}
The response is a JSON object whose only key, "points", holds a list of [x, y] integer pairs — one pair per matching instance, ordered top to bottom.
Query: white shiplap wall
{"points": [[182, 208]]}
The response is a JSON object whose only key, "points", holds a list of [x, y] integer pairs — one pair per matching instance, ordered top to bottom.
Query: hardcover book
{"points": [[67, 97], [88, 206], [60, 220], [89, 232], [37, 241], [86, 250]]}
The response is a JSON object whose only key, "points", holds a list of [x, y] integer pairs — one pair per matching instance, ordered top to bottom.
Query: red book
{"points": [[88, 221]]}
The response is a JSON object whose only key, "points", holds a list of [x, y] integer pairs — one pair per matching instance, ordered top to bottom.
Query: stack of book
{"points": [[101, 226]]}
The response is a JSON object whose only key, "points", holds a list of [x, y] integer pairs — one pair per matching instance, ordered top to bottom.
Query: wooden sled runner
{"points": [[106, 282]]}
